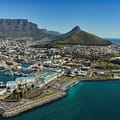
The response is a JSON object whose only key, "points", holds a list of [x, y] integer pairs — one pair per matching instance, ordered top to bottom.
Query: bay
{"points": [[85, 101]]}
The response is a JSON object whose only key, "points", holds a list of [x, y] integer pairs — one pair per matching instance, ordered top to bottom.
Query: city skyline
{"points": [[97, 17]]}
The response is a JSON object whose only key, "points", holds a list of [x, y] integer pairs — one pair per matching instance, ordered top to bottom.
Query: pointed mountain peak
{"points": [[76, 29]]}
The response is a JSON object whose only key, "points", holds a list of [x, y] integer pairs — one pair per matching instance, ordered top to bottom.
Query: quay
{"points": [[32, 104]]}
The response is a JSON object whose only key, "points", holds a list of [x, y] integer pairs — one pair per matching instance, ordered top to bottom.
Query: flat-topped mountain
{"points": [[21, 29], [78, 37]]}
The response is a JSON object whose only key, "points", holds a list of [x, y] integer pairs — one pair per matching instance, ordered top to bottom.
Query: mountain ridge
{"points": [[22, 29], [78, 37]]}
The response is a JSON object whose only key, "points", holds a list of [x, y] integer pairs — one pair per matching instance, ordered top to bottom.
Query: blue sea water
{"points": [[114, 40], [6, 78], [85, 101]]}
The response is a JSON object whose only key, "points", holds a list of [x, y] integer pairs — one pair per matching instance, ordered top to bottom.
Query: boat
{"points": [[2, 68], [7, 74], [76, 82], [71, 85]]}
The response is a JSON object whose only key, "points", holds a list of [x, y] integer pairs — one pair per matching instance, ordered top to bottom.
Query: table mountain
{"points": [[21, 29]]}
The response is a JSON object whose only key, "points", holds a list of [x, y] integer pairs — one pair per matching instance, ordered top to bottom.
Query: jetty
{"points": [[32, 104]]}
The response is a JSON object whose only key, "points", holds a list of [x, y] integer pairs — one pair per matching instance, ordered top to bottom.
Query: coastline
{"points": [[97, 80], [41, 101], [32, 104]]}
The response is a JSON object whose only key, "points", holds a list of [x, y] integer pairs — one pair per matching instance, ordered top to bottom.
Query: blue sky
{"points": [[100, 17]]}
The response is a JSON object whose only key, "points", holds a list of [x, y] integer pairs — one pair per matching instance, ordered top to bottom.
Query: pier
{"points": [[32, 104]]}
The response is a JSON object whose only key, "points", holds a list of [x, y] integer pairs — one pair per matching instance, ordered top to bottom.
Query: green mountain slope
{"points": [[78, 37]]}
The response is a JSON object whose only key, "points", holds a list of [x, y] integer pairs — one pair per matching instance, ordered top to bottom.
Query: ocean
{"points": [[114, 40], [85, 101]]}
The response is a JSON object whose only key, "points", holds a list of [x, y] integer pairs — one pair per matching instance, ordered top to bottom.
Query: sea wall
{"points": [[97, 79], [67, 85], [41, 101], [32, 104]]}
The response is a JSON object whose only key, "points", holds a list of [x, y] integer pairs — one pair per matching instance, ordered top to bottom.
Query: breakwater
{"points": [[70, 84], [41, 101], [32, 104]]}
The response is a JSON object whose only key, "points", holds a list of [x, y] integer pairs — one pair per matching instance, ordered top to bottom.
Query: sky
{"points": [[100, 17]]}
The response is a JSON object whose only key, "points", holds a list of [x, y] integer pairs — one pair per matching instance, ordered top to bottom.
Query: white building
{"points": [[25, 80], [11, 84], [2, 92]]}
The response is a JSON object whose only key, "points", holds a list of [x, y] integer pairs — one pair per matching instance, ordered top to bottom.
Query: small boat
{"points": [[2, 68], [7, 74], [76, 82], [71, 85]]}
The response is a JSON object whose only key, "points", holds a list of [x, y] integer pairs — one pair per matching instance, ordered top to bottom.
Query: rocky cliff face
{"points": [[8, 25], [20, 29]]}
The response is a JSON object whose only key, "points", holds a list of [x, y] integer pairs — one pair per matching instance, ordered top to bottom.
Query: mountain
{"points": [[22, 29], [54, 33], [78, 37]]}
